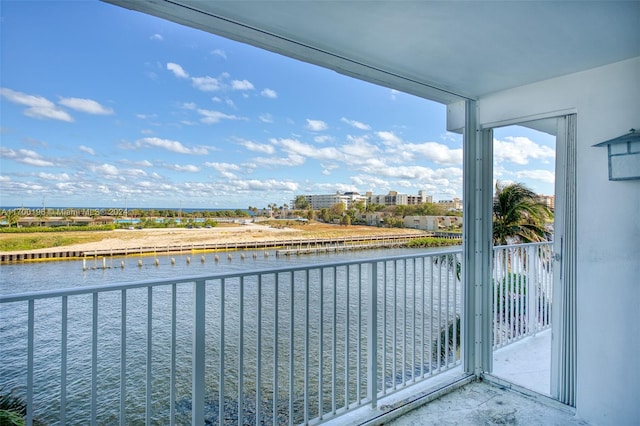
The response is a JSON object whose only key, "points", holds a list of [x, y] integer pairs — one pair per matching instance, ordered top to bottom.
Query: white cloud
{"points": [[156, 37], [219, 52], [177, 70], [206, 84], [241, 85], [269, 93], [393, 94], [38, 106], [88, 106], [52, 113], [146, 116], [212, 117], [266, 118], [356, 124], [316, 125], [323, 138], [389, 138], [169, 145], [257, 147], [87, 149], [520, 150], [432, 151], [357, 152], [25, 156], [290, 161], [142, 163], [222, 166], [185, 168], [105, 169], [542, 175], [53, 176], [266, 185]]}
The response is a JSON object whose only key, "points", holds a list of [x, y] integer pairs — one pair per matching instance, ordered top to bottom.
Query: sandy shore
{"points": [[134, 238]]}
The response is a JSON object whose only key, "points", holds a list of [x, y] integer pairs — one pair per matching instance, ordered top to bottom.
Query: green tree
{"points": [[301, 203], [337, 209], [311, 214], [325, 215], [518, 216], [12, 217]]}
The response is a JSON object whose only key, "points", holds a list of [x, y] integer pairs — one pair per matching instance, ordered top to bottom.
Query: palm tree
{"points": [[518, 216], [12, 217]]}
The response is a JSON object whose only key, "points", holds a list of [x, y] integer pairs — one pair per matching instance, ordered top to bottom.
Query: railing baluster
{"points": [[292, 297], [432, 303], [455, 308], [423, 311], [448, 314], [404, 323], [413, 324], [307, 326], [384, 328], [438, 330], [394, 336], [372, 338], [359, 341], [334, 344], [346, 344], [321, 347], [221, 348], [275, 348], [30, 350], [259, 352], [149, 353], [241, 353], [198, 355], [123, 356], [94, 361], [63, 362], [172, 378]]}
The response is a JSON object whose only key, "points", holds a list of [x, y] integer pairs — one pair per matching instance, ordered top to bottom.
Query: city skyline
{"points": [[106, 107]]}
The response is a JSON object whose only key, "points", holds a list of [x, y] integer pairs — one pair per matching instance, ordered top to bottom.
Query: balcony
{"points": [[283, 346]]}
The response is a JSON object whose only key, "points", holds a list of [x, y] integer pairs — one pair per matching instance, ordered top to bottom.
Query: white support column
{"points": [[477, 243]]}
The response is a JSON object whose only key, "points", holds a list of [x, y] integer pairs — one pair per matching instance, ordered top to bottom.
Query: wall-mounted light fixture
{"points": [[624, 156]]}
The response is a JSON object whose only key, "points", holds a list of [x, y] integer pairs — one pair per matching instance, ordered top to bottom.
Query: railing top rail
{"points": [[541, 243], [74, 291]]}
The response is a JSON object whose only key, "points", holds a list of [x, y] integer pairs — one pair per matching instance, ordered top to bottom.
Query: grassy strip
{"points": [[30, 229], [39, 241], [433, 242]]}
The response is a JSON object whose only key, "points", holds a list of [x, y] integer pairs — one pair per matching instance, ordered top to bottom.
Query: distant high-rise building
{"points": [[393, 198], [548, 200], [325, 201], [455, 204]]}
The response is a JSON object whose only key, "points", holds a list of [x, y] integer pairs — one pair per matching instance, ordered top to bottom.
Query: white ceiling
{"points": [[440, 50]]}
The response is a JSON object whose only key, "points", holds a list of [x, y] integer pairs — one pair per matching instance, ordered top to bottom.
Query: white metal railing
{"points": [[522, 289], [280, 346]]}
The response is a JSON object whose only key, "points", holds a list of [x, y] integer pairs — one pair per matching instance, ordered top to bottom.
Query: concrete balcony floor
{"points": [[516, 393], [482, 403]]}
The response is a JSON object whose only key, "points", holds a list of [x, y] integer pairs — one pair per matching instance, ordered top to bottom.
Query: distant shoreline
{"points": [[163, 239]]}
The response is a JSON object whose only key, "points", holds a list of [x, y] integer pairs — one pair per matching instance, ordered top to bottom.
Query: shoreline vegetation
{"points": [[120, 239]]}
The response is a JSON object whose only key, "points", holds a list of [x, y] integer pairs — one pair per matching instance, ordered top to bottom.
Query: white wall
{"points": [[607, 102]]}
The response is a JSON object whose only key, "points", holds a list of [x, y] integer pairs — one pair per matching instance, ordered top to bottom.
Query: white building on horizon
{"points": [[393, 198], [325, 201]]}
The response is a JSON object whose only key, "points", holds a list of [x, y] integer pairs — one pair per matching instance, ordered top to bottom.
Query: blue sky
{"points": [[102, 107]]}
